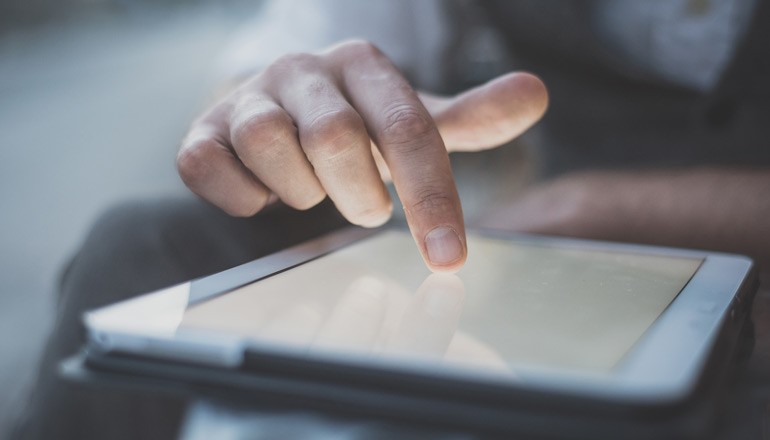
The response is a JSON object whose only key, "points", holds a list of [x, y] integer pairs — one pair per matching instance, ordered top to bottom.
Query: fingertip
{"points": [[530, 88], [493, 113], [306, 199], [376, 215], [374, 221], [445, 250], [451, 269]]}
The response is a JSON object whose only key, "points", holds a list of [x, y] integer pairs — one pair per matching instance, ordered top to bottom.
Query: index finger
{"points": [[411, 145]]}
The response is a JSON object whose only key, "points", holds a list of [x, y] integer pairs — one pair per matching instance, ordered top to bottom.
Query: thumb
{"points": [[490, 114]]}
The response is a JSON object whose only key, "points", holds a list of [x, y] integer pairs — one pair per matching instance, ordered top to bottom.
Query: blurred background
{"points": [[95, 96]]}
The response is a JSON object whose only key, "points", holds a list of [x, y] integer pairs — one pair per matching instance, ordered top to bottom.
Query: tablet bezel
{"points": [[662, 367]]}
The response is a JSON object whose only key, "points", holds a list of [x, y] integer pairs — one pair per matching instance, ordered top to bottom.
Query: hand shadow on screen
{"points": [[378, 316]]}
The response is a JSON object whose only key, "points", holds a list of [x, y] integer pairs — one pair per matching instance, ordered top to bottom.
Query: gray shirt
{"points": [[687, 42]]}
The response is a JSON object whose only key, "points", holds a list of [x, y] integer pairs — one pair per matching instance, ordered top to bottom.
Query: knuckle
{"points": [[360, 47], [289, 63], [315, 86], [404, 123], [262, 132], [333, 134], [194, 161], [197, 166], [431, 200]]}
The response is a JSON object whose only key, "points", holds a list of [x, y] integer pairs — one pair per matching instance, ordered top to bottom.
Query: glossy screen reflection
{"points": [[512, 304]]}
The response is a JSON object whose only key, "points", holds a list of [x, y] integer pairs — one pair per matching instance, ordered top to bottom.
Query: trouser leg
{"points": [[133, 249]]}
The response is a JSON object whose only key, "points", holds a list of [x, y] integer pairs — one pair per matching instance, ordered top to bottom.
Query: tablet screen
{"points": [[513, 304]]}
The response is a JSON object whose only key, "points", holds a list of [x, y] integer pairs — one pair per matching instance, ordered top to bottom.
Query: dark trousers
{"points": [[145, 246], [133, 249]]}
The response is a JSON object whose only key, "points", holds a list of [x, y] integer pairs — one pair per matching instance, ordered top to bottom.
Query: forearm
{"points": [[720, 209], [724, 209]]}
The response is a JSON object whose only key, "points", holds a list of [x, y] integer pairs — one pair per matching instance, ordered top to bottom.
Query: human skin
{"points": [[339, 122], [716, 208]]}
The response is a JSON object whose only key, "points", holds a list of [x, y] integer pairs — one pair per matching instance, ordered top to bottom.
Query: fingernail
{"points": [[443, 245]]}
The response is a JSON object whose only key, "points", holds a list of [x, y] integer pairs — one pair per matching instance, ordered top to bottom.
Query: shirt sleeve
{"points": [[414, 34]]}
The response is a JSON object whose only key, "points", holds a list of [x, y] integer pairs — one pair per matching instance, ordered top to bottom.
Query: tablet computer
{"points": [[535, 335]]}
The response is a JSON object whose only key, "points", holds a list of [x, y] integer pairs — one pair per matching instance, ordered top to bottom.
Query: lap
{"points": [[144, 246], [136, 248]]}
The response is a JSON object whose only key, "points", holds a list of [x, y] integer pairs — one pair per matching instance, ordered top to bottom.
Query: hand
{"points": [[311, 126]]}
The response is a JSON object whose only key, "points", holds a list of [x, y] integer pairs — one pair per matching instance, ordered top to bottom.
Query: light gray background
{"points": [[92, 107]]}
